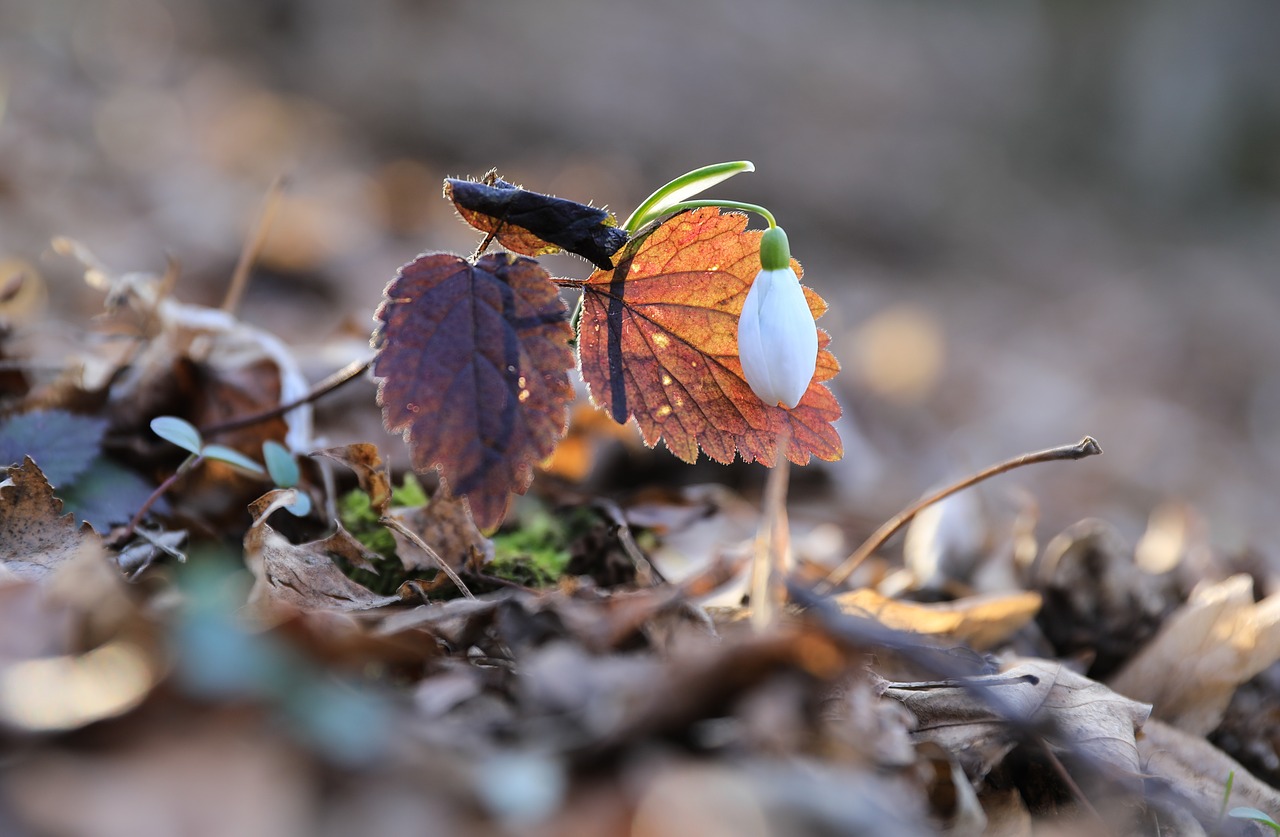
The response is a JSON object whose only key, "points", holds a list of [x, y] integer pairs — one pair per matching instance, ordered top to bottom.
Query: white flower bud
{"points": [[777, 338]]}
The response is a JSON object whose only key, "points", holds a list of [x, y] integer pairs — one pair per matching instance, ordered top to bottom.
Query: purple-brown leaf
{"points": [[474, 361]]}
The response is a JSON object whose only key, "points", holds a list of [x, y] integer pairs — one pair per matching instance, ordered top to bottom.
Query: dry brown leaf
{"points": [[220, 367], [364, 459], [444, 525], [35, 536], [345, 546], [301, 576], [1096, 600], [981, 622], [457, 624], [1216, 641], [1087, 718], [860, 725], [1195, 774]]}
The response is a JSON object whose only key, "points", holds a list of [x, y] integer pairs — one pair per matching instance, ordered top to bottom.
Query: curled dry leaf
{"points": [[534, 224], [659, 341], [474, 362], [221, 367], [364, 459], [444, 525], [35, 536], [301, 576], [1096, 600], [981, 622], [1216, 641], [981, 718]]}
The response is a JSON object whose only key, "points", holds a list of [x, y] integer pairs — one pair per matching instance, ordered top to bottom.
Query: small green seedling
{"points": [[186, 436], [283, 469]]}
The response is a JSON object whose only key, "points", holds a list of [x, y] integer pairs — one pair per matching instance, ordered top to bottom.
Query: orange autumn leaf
{"points": [[659, 341], [474, 363]]}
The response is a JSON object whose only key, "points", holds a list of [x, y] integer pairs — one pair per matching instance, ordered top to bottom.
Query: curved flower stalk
{"points": [[676, 193], [777, 337]]}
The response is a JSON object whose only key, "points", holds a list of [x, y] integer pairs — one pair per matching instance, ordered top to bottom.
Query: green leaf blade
{"points": [[178, 431], [222, 453], [281, 465]]}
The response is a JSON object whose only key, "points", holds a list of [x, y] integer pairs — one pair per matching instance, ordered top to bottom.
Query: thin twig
{"points": [[253, 245], [347, 373], [1087, 446], [187, 464], [391, 523], [622, 531], [956, 683]]}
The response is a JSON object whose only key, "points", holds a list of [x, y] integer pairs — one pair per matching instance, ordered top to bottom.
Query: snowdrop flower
{"points": [[777, 338]]}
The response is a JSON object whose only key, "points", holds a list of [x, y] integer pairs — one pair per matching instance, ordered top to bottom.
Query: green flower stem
{"points": [[684, 186], [745, 207]]}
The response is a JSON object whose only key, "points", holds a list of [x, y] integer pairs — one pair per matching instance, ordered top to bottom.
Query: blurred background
{"points": [[1033, 221]]}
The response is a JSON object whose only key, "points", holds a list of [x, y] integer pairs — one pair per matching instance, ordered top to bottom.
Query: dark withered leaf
{"points": [[534, 224], [63, 444], [107, 494]]}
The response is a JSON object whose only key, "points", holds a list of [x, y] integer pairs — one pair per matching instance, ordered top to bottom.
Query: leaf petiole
{"points": [[685, 186]]}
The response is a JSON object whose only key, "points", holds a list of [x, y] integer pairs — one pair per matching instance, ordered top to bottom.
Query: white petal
{"points": [[777, 338], [795, 339], [751, 349]]}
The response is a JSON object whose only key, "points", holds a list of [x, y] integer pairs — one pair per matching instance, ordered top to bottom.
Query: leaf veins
{"points": [[534, 224], [659, 341], [474, 361]]}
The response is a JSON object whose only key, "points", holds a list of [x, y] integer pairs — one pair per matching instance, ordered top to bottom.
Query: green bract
{"points": [[775, 250]]}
